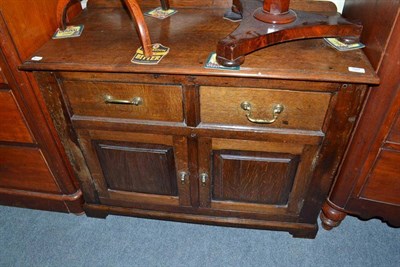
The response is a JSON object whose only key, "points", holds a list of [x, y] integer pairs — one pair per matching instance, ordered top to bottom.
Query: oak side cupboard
{"points": [[256, 147]]}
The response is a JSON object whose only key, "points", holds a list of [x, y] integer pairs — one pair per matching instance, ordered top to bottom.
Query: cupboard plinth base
{"points": [[297, 230]]}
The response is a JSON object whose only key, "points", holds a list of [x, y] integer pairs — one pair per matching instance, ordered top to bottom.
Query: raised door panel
{"points": [[12, 124], [25, 169], [135, 169], [255, 176]]}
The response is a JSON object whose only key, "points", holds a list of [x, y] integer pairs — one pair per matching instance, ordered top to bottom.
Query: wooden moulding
{"points": [[274, 23], [43, 201], [298, 230]]}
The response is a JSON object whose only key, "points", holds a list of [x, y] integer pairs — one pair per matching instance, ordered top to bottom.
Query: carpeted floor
{"points": [[38, 238]]}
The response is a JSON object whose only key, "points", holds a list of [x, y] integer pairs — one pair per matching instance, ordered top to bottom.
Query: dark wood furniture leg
{"points": [[165, 4], [272, 22], [331, 216]]}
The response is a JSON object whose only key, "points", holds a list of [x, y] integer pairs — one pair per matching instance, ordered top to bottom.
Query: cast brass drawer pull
{"points": [[136, 101], [275, 112]]}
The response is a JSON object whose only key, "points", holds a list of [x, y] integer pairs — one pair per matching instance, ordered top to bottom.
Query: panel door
{"points": [[138, 170], [254, 176]]}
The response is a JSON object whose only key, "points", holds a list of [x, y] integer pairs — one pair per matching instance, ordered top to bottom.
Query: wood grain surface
{"points": [[112, 48], [160, 102], [302, 110], [12, 123]]}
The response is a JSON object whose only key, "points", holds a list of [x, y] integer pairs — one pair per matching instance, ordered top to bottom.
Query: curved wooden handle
{"points": [[62, 8], [134, 9], [141, 26]]}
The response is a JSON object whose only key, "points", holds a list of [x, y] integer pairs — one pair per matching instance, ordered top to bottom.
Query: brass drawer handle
{"points": [[136, 101], [278, 109]]}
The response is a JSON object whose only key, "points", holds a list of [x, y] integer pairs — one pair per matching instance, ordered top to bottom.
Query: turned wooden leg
{"points": [[165, 4], [330, 216]]}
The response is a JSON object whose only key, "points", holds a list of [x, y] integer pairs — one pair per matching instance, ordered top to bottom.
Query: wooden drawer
{"points": [[98, 99], [301, 110], [12, 124], [25, 169]]}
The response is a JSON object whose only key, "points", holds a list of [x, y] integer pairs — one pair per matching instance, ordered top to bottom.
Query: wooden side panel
{"points": [[31, 24], [375, 31], [2, 77], [159, 102], [382, 105], [12, 123], [394, 135], [141, 168], [25, 169], [39, 177], [254, 177], [383, 183]]}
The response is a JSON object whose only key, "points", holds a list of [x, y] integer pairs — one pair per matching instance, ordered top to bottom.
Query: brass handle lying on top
{"points": [[136, 101], [278, 109]]}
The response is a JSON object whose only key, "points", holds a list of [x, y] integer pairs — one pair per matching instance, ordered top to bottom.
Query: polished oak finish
{"points": [[135, 11], [158, 102], [301, 110], [186, 150], [138, 168], [34, 170], [254, 177], [368, 183]]}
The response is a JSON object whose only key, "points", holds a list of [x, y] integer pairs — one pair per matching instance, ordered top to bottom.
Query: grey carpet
{"points": [[38, 238]]}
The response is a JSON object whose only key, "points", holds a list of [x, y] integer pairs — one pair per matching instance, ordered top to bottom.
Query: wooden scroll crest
{"points": [[135, 11]]}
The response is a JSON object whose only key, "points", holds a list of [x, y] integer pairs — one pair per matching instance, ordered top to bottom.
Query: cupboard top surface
{"points": [[109, 41]]}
